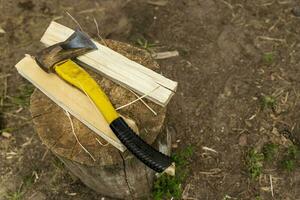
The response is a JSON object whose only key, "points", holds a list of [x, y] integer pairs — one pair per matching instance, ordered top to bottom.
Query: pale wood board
{"points": [[118, 68], [69, 98]]}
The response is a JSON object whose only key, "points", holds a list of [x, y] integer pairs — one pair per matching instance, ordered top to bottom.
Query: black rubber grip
{"points": [[138, 147]]}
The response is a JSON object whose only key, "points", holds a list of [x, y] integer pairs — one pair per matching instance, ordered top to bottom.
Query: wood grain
{"points": [[118, 68]]}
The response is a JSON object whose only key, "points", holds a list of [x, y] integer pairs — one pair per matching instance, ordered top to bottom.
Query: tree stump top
{"points": [[54, 128]]}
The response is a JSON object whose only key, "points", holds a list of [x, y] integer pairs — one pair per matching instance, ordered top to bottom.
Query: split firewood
{"points": [[118, 68]]}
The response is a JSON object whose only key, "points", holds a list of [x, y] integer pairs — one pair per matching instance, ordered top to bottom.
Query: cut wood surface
{"points": [[118, 68]]}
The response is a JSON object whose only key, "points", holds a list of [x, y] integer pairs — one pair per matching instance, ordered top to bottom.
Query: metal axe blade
{"points": [[77, 44]]}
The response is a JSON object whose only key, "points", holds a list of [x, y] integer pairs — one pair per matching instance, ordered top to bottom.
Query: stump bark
{"points": [[113, 173]]}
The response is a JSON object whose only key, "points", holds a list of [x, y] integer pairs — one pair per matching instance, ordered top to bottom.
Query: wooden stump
{"points": [[114, 174]]}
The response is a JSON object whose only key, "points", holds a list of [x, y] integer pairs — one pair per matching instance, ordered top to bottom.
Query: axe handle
{"points": [[72, 73], [75, 75], [143, 151]]}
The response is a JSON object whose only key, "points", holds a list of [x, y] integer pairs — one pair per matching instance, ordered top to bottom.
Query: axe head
{"points": [[77, 44]]}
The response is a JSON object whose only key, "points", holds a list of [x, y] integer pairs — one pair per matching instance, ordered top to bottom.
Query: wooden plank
{"points": [[117, 67], [69, 98]]}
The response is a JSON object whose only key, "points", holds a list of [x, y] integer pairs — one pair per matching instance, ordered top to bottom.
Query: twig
{"points": [[157, 2], [283, 2], [228, 4], [266, 4], [90, 10], [57, 18], [74, 20], [274, 25], [98, 32], [271, 39], [164, 55], [5, 76], [5, 87], [4, 91], [277, 92], [145, 95], [284, 101], [144, 102], [19, 110], [16, 116], [252, 117], [73, 131], [27, 143], [102, 143], [209, 149], [45, 154], [211, 172], [36, 176], [272, 191], [185, 192], [185, 195]]}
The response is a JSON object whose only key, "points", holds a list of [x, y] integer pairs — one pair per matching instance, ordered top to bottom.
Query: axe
{"points": [[60, 59]]}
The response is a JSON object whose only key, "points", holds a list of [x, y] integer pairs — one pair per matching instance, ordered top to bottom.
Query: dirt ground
{"points": [[235, 55]]}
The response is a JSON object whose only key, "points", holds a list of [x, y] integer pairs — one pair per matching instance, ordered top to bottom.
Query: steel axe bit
{"points": [[59, 59]]}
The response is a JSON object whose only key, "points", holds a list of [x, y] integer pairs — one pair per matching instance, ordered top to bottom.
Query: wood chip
{"points": [[158, 2], [2, 30], [272, 39], [164, 55], [6, 134], [209, 149], [11, 153], [271, 186], [71, 193]]}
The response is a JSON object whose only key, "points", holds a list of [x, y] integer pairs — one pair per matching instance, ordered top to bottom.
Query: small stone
{"points": [[296, 11], [198, 112], [222, 129], [6, 134], [243, 140]]}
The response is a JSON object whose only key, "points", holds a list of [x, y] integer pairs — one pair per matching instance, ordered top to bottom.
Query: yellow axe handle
{"points": [[75, 75]]}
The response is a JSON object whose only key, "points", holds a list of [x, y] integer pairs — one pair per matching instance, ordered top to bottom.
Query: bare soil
{"points": [[224, 70]]}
